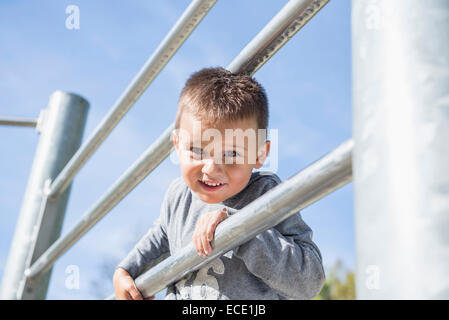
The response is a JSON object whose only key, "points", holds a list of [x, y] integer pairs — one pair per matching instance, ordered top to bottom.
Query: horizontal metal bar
{"points": [[191, 17], [18, 122], [142, 167], [306, 187], [64, 243]]}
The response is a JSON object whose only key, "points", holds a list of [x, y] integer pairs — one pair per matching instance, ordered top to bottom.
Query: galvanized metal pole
{"points": [[279, 30], [61, 133], [401, 157], [322, 177]]}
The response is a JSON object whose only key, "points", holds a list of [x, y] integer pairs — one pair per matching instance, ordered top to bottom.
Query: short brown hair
{"points": [[216, 94]]}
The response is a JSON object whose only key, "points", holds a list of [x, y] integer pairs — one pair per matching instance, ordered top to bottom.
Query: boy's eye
{"points": [[196, 151], [232, 154], [231, 157]]}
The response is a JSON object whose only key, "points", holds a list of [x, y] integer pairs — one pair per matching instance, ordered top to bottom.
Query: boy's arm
{"points": [[153, 247], [150, 250], [286, 259]]}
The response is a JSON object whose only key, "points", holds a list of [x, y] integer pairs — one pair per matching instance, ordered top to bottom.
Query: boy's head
{"points": [[220, 132]]}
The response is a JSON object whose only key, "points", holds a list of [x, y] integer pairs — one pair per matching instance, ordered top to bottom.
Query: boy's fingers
{"points": [[225, 211], [223, 214], [212, 225], [205, 231], [211, 231], [202, 236], [205, 242], [197, 243], [199, 247], [135, 294], [149, 298]]}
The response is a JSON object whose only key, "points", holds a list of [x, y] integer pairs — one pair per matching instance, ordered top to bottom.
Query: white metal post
{"points": [[61, 133], [401, 156]]}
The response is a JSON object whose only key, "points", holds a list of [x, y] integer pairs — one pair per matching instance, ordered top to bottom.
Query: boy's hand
{"points": [[205, 230], [125, 288]]}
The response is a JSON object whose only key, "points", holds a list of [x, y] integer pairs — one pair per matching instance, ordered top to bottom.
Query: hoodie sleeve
{"points": [[152, 248], [285, 257]]}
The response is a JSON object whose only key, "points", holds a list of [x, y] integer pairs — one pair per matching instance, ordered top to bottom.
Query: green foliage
{"points": [[338, 286]]}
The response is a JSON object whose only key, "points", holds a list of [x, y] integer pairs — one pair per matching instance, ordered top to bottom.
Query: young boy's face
{"points": [[225, 154]]}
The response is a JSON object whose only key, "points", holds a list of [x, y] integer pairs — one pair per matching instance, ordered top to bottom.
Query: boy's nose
{"points": [[210, 166]]}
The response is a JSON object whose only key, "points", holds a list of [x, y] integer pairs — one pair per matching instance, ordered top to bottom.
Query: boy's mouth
{"points": [[209, 187]]}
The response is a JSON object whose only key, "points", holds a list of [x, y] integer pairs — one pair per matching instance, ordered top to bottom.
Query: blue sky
{"points": [[308, 83]]}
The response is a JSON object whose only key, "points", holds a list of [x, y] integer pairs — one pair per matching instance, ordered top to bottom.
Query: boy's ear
{"points": [[262, 154]]}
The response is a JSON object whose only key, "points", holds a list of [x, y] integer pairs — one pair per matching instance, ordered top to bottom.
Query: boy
{"points": [[218, 180]]}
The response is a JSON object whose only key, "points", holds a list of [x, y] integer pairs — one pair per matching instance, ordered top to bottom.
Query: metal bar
{"points": [[191, 17], [287, 22], [400, 58], [18, 122], [60, 137], [306, 187], [68, 240]]}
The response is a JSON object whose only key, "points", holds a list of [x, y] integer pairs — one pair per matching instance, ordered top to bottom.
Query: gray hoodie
{"points": [[281, 262]]}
